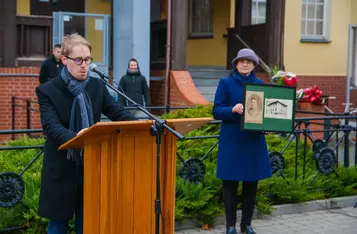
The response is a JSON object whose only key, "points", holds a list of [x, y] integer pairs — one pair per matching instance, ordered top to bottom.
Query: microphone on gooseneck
{"points": [[94, 68]]}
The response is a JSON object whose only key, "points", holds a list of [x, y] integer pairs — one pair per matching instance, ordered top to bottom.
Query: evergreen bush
{"points": [[200, 202]]}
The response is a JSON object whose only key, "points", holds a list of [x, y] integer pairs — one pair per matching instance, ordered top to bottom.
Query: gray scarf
{"points": [[81, 112]]}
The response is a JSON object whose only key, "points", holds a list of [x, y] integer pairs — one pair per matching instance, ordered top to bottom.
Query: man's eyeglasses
{"points": [[79, 61]]}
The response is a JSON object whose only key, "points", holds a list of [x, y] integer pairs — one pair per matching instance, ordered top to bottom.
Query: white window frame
{"points": [[255, 4], [326, 21], [191, 33]]}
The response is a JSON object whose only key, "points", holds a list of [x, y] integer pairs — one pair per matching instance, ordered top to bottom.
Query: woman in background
{"points": [[134, 85], [242, 155]]}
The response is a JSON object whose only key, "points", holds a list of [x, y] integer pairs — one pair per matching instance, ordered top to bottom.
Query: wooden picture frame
{"points": [[268, 108]]}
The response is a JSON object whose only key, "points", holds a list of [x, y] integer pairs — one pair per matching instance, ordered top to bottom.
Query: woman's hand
{"points": [[238, 108]]}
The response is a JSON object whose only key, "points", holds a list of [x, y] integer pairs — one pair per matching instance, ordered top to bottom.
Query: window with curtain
{"points": [[258, 11], [313, 17], [200, 18]]}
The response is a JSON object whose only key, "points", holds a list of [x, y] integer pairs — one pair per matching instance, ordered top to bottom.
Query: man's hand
{"points": [[238, 108], [81, 131]]}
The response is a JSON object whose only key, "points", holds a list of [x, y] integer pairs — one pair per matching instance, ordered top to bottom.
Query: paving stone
{"points": [[336, 221]]}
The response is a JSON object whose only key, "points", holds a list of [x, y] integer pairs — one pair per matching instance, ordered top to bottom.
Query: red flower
{"points": [[290, 81], [312, 95]]}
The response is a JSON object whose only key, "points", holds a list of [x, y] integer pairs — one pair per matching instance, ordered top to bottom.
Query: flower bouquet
{"points": [[284, 78], [310, 95]]}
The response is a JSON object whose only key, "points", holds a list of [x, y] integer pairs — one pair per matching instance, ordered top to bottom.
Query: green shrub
{"points": [[276, 190], [201, 202], [24, 214]]}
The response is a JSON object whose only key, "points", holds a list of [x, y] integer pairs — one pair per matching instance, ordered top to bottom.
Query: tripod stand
{"points": [[156, 130]]}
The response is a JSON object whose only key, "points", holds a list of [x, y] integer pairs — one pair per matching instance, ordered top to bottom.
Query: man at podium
{"points": [[69, 104]]}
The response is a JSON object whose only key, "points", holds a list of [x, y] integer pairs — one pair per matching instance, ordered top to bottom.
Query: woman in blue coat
{"points": [[242, 155]]}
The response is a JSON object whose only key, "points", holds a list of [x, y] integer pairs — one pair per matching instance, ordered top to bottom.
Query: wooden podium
{"points": [[120, 175]]}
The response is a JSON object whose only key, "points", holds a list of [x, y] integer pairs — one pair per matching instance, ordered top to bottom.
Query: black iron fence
{"points": [[28, 106], [193, 169], [12, 185]]}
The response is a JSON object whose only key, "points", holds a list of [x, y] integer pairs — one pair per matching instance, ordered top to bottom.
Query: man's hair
{"points": [[72, 40], [57, 46]]}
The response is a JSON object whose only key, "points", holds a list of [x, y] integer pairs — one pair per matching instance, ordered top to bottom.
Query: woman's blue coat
{"points": [[242, 155]]}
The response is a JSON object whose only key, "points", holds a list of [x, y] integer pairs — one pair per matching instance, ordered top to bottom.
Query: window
{"points": [[258, 11], [201, 18], [313, 19]]}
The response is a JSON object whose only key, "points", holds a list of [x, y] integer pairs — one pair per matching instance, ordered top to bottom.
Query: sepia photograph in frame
{"points": [[254, 107], [268, 108]]}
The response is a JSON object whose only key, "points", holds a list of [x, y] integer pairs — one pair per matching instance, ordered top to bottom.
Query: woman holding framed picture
{"points": [[242, 155]]}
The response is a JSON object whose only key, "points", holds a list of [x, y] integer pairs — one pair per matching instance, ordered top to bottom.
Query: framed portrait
{"points": [[268, 108]]}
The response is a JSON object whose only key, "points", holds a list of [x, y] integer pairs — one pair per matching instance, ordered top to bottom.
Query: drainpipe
{"points": [[168, 56], [348, 88]]}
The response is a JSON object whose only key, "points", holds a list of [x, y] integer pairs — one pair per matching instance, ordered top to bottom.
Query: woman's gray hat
{"points": [[247, 54]]}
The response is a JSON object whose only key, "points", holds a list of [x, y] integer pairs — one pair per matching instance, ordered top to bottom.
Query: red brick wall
{"points": [[334, 86], [21, 87], [157, 91], [183, 91], [353, 98]]}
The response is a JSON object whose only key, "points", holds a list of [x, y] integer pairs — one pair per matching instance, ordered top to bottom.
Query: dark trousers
{"points": [[230, 199], [61, 226]]}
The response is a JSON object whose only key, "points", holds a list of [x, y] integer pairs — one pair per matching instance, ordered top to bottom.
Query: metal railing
{"points": [[262, 63], [29, 108], [193, 168], [12, 184]]}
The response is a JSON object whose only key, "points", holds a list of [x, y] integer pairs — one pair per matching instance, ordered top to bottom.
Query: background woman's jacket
{"points": [[135, 87], [242, 155]]}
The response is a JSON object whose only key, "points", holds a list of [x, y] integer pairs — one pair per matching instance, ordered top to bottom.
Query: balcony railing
{"points": [[256, 38]]}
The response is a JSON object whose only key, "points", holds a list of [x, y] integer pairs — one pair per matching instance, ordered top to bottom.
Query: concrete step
{"points": [[209, 74], [206, 81], [207, 89], [209, 96]]}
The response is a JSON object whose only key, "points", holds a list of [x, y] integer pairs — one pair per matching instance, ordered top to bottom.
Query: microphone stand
{"points": [[156, 130]]}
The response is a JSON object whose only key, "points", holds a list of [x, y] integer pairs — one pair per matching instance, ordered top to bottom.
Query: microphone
{"points": [[94, 68]]}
